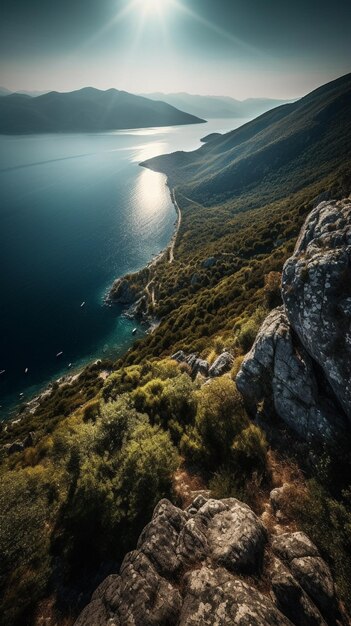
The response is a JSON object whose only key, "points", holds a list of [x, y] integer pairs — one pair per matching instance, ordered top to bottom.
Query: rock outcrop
{"points": [[316, 290], [124, 291], [301, 359], [197, 365], [19, 446], [192, 568]]}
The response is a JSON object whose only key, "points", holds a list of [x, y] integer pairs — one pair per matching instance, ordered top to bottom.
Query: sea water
{"points": [[76, 212]]}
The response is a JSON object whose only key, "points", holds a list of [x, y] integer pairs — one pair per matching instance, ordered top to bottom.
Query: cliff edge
{"points": [[301, 358]]}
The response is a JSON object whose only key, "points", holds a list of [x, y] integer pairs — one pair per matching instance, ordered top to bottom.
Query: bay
{"points": [[76, 212]]}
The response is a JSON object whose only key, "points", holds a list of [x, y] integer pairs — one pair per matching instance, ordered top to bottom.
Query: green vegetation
{"points": [[80, 496]]}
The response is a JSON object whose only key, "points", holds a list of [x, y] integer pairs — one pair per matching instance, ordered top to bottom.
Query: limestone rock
{"points": [[316, 290], [301, 359], [221, 365], [197, 366], [279, 367], [277, 496], [226, 531], [159, 539], [289, 546], [189, 568], [309, 570], [315, 578], [216, 598], [292, 600]]}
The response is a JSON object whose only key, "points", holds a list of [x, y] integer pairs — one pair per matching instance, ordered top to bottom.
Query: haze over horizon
{"points": [[198, 46]]}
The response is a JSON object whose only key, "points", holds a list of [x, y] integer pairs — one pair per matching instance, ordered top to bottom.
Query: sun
{"points": [[155, 6]]}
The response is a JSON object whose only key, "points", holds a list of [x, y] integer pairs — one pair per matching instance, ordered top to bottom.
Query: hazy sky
{"points": [[240, 48]]}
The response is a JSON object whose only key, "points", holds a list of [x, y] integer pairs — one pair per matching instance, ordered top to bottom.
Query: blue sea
{"points": [[76, 212]]}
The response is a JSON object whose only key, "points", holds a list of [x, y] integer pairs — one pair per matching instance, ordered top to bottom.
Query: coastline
{"points": [[137, 290], [148, 319]]}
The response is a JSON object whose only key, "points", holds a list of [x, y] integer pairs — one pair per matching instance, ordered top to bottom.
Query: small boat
{"points": [[83, 304], [134, 331], [59, 354], [69, 364], [26, 370], [2, 372], [21, 394]]}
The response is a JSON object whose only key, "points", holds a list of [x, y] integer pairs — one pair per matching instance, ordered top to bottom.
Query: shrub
{"points": [[272, 289], [250, 328], [166, 400], [91, 411], [220, 417], [192, 448], [249, 452], [24, 541]]}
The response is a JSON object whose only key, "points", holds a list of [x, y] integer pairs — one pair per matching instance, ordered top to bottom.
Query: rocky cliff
{"points": [[301, 359], [216, 564]]}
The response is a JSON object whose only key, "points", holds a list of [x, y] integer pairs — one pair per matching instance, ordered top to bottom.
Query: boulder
{"points": [[195, 279], [197, 365], [221, 365], [279, 369], [277, 497], [226, 531], [159, 539], [289, 546], [189, 568], [309, 571], [315, 578], [292, 600]]}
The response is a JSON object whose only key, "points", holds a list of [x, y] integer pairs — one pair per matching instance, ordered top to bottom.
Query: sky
{"points": [[238, 48]]}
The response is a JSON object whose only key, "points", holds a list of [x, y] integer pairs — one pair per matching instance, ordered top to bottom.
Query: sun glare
{"points": [[155, 6]]}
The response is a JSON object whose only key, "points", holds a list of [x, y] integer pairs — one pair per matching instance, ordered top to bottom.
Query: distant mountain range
{"points": [[4, 91], [217, 106], [86, 110], [282, 149]]}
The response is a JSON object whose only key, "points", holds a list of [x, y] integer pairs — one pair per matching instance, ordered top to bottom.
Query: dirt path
{"points": [[150, 290], [187, 486]]}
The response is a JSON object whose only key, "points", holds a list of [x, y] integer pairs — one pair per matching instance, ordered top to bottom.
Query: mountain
{"points": [[4, 91], [31, 93], [217, 106], [86, 110], [288, 146]]}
